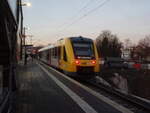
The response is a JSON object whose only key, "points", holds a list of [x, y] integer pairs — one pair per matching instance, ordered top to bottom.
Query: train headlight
{"points": [[77, 61], [93, 61]]}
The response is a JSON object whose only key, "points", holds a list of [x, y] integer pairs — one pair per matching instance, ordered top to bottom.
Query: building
{"points": [[11, 23], [126, 54]]}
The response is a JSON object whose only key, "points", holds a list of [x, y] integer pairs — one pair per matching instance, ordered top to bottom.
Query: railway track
{"points": [[129, 101], [134, 104]]}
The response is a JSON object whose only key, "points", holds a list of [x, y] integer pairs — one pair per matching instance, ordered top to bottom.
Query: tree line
{"points": [[109, 45]]}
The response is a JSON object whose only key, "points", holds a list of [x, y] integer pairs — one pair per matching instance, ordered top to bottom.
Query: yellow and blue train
{"points": [[75, 56]]}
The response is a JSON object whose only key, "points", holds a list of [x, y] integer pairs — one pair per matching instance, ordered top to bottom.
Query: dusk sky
{"points": [[50, 20]]}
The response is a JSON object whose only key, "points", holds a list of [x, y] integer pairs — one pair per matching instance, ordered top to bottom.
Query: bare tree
{"points": [[108, 44], [142, 49]]}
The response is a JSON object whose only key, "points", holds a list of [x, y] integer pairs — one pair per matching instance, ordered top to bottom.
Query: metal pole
{"points": [[25, 57]]}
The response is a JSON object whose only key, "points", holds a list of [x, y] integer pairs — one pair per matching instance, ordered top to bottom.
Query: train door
{"points": [[58, 55], [47, 56], [52, 57], [55, 57], [61, 57], [64, 58], [49, 60]]}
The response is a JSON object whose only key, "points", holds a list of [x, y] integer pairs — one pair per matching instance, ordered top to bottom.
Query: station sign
{"points": [[29, 49]]}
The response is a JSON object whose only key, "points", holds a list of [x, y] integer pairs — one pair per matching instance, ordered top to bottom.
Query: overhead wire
{"points": [[88, 3], [91, 11], [78, 12], [86, 14]]}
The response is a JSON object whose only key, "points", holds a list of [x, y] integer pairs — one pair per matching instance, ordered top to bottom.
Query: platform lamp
{"points": [[27, 4], [24, 43]]}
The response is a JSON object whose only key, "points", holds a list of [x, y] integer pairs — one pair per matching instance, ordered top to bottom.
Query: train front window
{"points": [[83, 49]]}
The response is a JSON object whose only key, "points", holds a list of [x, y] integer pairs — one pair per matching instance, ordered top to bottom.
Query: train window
{"points": [[83, 49], [53, 50], [49, 52], [58, 52], [55, 53], [65, 55], [40, 56], [47, 57]]}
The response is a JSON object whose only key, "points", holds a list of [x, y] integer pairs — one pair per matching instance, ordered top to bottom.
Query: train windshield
{"points": [[83, 49]]}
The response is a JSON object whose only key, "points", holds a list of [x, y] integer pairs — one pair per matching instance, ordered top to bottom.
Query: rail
{"points": [[126, 97]]}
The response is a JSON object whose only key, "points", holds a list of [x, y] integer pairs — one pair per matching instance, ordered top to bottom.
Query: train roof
{"points": [[80, 38], [73, 39], [46, 48]]}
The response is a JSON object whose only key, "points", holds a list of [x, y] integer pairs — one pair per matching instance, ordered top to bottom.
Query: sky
{"points": [[50, 20]]}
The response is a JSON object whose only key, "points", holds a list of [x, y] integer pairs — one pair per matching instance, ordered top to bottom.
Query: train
{"points": [[75, 56]]}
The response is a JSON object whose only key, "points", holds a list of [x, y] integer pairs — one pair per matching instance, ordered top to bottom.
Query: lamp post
{"points": [[24, 33], [24, 45]]}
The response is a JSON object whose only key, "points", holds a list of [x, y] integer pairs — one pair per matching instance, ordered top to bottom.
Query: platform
{"points": [[41, 91]]}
